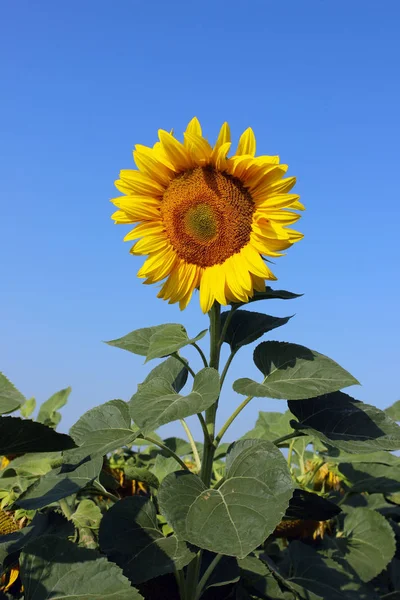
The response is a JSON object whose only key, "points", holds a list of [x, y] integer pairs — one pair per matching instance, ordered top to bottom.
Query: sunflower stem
{"points": [[203, 356], [185, 363], [227, 365], [231, 419], [192, 444], [209, 448], [166, 449], [207, 574]]}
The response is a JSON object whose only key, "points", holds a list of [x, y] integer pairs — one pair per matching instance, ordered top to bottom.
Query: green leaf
{"points": [[269, 294], [246, 327], [170, 339], [157, 341], [172, 370], [293, 372], [10, 398], [156, 402], [27, 409], [394, 411], [48, 414], [345, 423], [270, 426], [101, 430], [20, 436], [179, 446], [383, 457], [31, 465], [163, 466], [141, 474], [371, 477], [60, 483], [306, 505], [88, 514], [239, 515], [42, 523], [130, 537], [367, 542], [55, 569], [226, 571], [315, 577], [258, 579]]}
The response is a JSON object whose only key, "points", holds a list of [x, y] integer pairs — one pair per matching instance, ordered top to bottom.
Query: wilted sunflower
{"points": [[205, 220]]}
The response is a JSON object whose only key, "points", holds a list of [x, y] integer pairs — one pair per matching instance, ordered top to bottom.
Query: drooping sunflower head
{"points": [[207, 221]]}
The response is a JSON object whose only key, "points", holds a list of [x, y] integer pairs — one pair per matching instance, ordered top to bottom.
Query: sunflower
{"points": [[206, 221]]}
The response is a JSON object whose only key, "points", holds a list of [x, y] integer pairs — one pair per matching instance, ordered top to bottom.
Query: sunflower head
{"points": [[205, 220]]}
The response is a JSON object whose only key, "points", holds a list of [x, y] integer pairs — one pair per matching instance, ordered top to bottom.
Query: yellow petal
{"points": [[194, 127], [224, 137], [247, 143], [199, 148], [175, 151], [220, 159], [152, 167], [138, 183], [260, 186], [283, 186], [276, 201], [298, 206], [140, 208], [119, 216], [282, 216], [147, 228], [149, 244], [266, 246], [255, 263], [158, 266], [258, 283], [206, 291]]}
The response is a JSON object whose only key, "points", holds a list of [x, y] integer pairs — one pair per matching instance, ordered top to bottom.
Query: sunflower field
{"points": [[304, 506]]}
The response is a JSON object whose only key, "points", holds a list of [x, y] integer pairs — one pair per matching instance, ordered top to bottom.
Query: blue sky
{"points": [[81, 83]]}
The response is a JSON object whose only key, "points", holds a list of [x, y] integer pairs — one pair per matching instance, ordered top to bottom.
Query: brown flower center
{"points": [[207, 215]]}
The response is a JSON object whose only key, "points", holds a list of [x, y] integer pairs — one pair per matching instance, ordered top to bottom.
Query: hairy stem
{"points": [[200, 351], [227, 365], [231, 419], [192, 444], [166, 449], [207, 575]]}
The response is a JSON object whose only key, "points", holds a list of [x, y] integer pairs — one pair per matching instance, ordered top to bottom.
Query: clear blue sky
{"points": [[82, 82]]}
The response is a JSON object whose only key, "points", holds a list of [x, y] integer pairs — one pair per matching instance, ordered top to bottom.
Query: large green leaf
{"points": [[270, 294], [246, 327], [170, 339], [157, 341], [172, 370], [293, 372], [10, 398], [156, 402], [27, 409], [48, 411], [394, 411], [341, 421], [270, 426], [101, 430], [21, 435], [383, 457], [163, 466], [142, 474], [371, 477], [60, 483], [306, 505], [88, 514], [239, 515], [42, 523], [130, 537], [367, 542], [57, 569], [315, 577], [258, 579]]}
